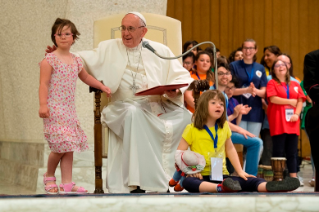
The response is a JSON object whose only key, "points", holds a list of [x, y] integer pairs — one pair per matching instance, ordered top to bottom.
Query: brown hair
{"points": [[58, 26], [255, 43], [209, 74], [273, 75], [201, 112]]}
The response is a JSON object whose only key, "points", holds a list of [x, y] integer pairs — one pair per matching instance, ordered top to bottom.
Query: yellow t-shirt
{"points": [[201, 142]]}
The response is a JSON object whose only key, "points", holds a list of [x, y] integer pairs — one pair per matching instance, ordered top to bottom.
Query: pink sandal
{"points": [[48, 188], [67, 189]]}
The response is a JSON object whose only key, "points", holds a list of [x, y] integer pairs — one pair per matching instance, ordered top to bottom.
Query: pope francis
{"points": [[144, 130]]}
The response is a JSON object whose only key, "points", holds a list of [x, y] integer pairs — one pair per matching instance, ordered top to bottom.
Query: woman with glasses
{"points": [[201, 71], [251, 88], [285, 98]]}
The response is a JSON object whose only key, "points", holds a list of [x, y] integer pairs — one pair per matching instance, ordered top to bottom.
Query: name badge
{"points": [[246, 95], [288, 113], [216, 169]]}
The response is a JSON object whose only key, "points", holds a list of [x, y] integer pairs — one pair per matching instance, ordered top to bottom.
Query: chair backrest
{"points": [[161, 29]]}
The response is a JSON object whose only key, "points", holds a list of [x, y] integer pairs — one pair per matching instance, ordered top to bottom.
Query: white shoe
{"points": [[300, 180]]}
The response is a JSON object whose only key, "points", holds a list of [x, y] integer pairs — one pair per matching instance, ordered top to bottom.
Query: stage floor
{"points": [[14, 198]]}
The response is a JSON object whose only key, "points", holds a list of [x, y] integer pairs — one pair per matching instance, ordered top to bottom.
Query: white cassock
{"points": [[144, 131]]}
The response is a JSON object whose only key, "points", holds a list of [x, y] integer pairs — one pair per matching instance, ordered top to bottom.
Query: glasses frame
{"points": [[132, 29], [67, 35]]}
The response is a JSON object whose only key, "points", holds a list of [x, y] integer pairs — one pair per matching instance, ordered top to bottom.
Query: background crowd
{"points": [[266, 103]]}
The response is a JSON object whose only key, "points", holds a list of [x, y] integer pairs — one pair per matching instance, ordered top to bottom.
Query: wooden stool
{"points": [[240, 149]]}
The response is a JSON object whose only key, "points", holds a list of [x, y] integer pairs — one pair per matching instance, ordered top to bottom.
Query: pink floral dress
{"points": [[62, 130]]}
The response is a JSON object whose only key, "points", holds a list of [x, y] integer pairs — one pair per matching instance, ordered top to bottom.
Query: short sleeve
{"points": [[51, 59], [80, 63], [264, 80], [271, 88], [301, 93], [227, 130], [187, 134]]}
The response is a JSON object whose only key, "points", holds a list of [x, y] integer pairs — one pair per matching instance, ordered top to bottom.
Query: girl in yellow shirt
{"points": [[209, 135]]}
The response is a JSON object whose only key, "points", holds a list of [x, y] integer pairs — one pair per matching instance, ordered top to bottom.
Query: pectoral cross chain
{"points": [[134, 87]]}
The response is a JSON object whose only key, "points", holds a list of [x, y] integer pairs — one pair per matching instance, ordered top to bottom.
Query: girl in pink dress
{"points": [[59, 71]]}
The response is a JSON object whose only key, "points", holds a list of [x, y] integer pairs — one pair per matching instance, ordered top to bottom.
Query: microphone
{"points": [[145, 44]]}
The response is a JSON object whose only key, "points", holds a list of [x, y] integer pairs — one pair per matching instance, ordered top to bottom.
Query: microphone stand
{"points": [[176, 57]]}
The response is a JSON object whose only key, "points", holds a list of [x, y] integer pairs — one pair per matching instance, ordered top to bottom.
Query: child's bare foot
{"points": [[49, 184], [70, 188]]}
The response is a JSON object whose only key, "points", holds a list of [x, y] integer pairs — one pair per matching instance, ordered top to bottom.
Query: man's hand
{"points": [[50, 49], [172, 93], [245, 109], [245, 133], [197, 175]]}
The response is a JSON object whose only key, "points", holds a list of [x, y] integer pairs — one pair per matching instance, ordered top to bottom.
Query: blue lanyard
{"points": [[251, 75], [197, 76], [287, 90], [233, 104], [211, 134]]}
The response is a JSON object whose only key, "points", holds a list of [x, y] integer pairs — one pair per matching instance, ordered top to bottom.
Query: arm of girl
{"points": [[45, 76], [91, 81], [240, 91], [259, 92], [189, 99], [283, 101], [295, 116], [183, 145], [233, 157]]}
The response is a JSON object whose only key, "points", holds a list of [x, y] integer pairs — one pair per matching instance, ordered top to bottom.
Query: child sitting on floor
{"points": [[209, 135]]}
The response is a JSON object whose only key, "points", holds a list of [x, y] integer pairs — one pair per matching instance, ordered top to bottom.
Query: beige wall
{"points": [[25, 32]]}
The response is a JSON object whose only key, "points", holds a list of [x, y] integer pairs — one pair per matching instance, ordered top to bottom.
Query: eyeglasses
{"points": [[129, 29], [67, 35], [248, 48], [280, 64], [223, 74], [229, 88]]}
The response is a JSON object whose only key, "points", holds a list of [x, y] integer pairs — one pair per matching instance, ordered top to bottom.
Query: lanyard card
{"points": [[288, 113], [216, 167]]}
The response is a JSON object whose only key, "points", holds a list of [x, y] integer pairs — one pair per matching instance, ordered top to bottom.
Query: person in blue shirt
{"points": [[251, 87], [239, 135]]}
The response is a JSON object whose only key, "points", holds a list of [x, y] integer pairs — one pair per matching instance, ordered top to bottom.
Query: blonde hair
{"points": [[201, 112]]}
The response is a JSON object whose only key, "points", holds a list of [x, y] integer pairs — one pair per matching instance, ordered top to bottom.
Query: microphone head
{"points": [[144, 43]]}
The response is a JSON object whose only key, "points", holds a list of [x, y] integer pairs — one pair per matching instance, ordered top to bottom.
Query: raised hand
{"points": [[237, 109], [245, 109]]}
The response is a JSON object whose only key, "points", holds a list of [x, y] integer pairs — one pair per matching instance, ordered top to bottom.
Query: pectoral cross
{"points": [[134, 87]]}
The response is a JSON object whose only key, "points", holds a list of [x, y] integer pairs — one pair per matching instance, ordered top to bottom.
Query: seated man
{"points": [[144, 130]]}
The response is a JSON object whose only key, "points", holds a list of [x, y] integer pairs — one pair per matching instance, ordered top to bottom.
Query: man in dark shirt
{"points": [[311, 84]]}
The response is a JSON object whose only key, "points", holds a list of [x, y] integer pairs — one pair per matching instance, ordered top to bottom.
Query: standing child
{"points": [[58, 74], [209, 135]]}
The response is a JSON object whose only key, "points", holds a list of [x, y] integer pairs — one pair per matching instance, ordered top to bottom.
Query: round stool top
{"points": [[278, 158]]}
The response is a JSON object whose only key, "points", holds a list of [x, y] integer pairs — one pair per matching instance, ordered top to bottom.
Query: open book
{"points": [[159, 90]]}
